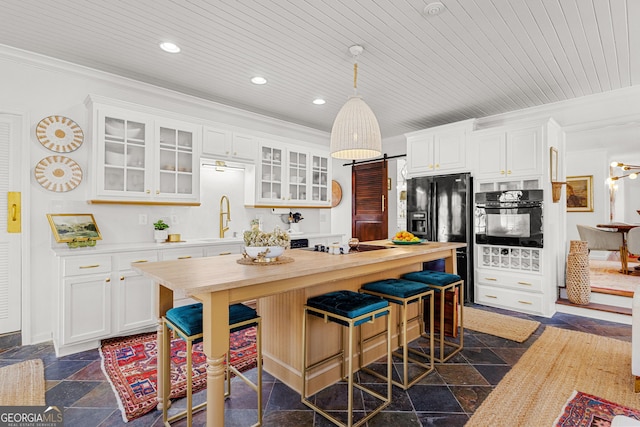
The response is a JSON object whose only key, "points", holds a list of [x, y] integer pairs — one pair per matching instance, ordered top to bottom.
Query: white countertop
{"points": [[100, 248]]}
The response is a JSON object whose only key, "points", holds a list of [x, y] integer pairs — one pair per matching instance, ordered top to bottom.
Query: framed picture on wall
{"points": [[580, 193], [71, 227]]}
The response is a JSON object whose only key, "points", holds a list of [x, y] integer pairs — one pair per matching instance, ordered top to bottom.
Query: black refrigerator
{"points": [[439, 209]]}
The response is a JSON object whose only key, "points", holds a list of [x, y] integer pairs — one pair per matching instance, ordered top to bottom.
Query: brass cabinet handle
{"points": [[437, 165], [431, 166], [502, 172], [509, 172], [148, 191], [157, 191], [383, 203], [14, 212], [224, 253], [184, 257], [139, 261], [90, 266], [121, 278], [108, 279], [493, 279], [525, 283], [491, 296], [525, 302]]}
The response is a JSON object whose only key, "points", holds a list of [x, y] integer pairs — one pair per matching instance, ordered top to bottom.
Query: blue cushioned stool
{"points": [[442, 283], [403, 292], [349, 309], [186, 322]]}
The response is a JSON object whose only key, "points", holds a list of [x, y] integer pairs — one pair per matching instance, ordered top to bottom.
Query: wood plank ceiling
{"points": [[477, 58]]}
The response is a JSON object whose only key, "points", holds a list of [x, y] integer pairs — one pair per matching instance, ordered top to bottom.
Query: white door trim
{"points": [[23, 152]]}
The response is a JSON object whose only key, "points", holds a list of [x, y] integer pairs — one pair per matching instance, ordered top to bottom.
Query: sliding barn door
{"points": [[369, 206]]}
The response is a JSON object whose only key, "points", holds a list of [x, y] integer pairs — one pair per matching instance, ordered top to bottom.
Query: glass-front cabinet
{"points": [[124, 154], [140, 157], [271, 174], [298, 175], [288, 176], [320, 179]]}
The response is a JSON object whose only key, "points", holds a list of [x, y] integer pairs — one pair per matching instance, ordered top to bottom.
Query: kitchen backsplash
{"points": [[121, 223]]}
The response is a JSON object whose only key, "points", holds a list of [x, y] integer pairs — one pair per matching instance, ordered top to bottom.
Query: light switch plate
{"points": [[142, 219]]}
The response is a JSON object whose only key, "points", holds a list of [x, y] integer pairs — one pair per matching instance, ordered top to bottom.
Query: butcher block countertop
{"points": [[213, 274]]}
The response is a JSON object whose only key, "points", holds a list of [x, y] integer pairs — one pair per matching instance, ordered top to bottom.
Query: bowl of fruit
{"points": [[406, 238]]}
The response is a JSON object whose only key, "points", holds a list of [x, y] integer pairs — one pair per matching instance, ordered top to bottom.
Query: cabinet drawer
{"points": [[223, 250], [182, 253], [126, 259], [76, 266], [521, 282], [519, 301]]}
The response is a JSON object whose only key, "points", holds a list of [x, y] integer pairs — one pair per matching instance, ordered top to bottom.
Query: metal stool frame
{"points": [[329, 316], [403, 321], [189, 339], [441, 339]]}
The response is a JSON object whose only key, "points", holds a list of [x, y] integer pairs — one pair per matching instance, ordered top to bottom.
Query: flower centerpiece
{"points": [[263, 246]]}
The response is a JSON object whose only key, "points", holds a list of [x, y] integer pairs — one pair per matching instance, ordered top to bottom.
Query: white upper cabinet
{"points": [[227, 145], [442, 149], [507, 153], [141, 157], [287, 175]]}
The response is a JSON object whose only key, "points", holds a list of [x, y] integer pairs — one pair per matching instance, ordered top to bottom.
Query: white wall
{"points": [[39, 87], [592, 162]]}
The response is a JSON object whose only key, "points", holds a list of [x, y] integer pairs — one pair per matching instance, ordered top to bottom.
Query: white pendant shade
{"points": [[356, 133]]}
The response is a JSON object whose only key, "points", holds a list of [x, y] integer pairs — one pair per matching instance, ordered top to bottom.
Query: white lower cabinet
{"points": [[518, 291], [101, 295], [135, 295], [86, 308]]}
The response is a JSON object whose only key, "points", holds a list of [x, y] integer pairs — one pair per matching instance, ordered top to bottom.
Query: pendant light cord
{"points": [[355, 77]]}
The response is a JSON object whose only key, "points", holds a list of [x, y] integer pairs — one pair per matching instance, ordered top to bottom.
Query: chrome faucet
{"points": [[223, 213]]}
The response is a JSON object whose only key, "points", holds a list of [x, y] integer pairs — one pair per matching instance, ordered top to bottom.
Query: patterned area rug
{"points": [[606, 274], [130, 364], [586, 410]]}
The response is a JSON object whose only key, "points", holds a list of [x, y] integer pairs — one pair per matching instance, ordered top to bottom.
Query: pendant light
{"points": [[355, 133]]}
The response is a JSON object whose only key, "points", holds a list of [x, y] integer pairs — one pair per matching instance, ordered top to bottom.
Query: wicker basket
{"points": [[578, 247], [578, 283]]}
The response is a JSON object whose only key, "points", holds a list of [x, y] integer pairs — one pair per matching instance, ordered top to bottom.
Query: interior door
{"points": [[369, 201], [10, 230]]}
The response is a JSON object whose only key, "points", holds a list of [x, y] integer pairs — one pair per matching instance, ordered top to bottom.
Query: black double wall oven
{"points": [[509, 218]]}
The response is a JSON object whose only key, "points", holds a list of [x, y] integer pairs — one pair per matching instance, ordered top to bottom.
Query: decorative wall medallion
{"points": [[59, 134], [58, 173], [336, 194]]}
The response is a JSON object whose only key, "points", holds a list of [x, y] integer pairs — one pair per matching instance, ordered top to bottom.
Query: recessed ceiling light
{"points": [[433, 9], [169, 47], [257, 80], [319, 101]]}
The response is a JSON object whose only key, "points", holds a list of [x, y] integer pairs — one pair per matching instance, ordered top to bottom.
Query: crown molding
{"points": [[33, 59], [574, 114]]}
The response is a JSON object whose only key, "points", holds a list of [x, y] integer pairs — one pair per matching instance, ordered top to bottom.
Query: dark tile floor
{"points": [[446, 397]]}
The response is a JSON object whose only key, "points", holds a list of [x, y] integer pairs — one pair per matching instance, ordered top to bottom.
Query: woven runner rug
{"points": [[511, 328], [560, 361], [130, 364], [22, 384], [586, 410]]}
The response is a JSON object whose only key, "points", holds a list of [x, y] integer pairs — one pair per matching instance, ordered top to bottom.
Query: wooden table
{"points": [[624, 251], [280, 291]]}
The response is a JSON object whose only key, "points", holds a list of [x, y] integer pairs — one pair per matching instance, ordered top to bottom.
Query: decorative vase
{"points": [[160, 235], [578, 281]]}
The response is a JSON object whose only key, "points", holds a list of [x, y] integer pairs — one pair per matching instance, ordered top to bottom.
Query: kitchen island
{"points": [[281, 291]]}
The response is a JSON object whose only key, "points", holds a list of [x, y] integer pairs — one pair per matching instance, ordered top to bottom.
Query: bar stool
{"points": [[442, 283], [404, 292], [349, 309], [186, 322]]}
